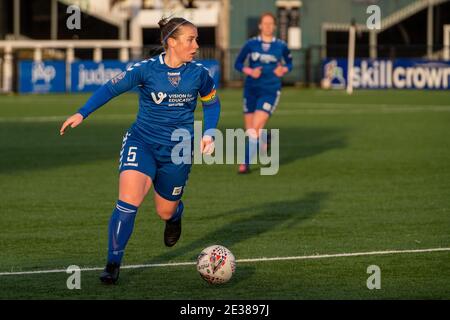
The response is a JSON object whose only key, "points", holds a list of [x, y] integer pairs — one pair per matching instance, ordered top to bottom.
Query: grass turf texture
{"points": [[368, 172]]}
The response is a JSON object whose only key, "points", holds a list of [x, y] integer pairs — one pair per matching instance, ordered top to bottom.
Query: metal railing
{"points": [[11, 48], [307, 62]]}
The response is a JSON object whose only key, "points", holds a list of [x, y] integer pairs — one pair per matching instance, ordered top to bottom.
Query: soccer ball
{"points": [[216, 264]]}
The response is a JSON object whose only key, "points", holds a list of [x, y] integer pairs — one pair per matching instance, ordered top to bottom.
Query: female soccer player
{"points": [[263, 83], [168, 87]]}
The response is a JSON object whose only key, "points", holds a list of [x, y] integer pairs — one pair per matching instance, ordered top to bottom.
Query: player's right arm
{"points": [[240, 60], [123, 82], [211, 111]]}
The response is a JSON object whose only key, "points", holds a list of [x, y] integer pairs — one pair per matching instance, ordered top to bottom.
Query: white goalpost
{"points": [[351, 52], [351, 57]]}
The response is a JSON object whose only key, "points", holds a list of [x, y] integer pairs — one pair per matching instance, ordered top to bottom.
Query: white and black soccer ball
{"points": [[216, 264]]}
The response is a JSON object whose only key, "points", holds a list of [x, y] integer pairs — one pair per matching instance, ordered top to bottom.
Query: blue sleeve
{"points": [[287, 56], [240, 60], [127, 80], [121, 83], [207, 86], [98, 99], [210, 102], [211, 115]]}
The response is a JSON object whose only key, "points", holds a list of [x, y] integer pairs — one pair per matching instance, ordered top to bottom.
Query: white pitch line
{"points": [[289, 112], [340, 255], [176, 264]]}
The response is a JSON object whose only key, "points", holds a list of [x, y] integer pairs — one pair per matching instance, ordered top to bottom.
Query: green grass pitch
{"points": [[362, 173]]}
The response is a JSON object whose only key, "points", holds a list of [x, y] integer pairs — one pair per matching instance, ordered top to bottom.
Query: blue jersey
{"points": [[266, 55], [167, 96]]}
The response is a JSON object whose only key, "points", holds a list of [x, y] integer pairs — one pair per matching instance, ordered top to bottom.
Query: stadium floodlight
{"points": [[351, 56]]}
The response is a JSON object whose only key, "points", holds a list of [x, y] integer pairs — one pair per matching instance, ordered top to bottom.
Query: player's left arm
{"points": [[287, 57], [239, 64], [282, 69], [123, 82], [211, 112]]}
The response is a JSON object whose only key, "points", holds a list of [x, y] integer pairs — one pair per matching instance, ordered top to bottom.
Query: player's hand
{"points": [[280, 70], [254, 73], [72, 121], [207, 145]]}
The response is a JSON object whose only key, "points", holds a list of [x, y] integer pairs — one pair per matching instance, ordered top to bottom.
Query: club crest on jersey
{"points": [[265, 46], [255, 56], [174, 78], [161, 97]]}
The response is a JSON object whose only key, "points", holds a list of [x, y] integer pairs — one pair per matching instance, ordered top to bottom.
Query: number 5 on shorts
{"points": [[131, 154]]}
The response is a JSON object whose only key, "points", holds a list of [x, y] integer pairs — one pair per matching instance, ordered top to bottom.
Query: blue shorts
{"points": [[258, 100], [154, 160]]}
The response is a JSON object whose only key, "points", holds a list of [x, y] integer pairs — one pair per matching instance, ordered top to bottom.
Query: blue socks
{"points": [[178, 213], [120, 229]]}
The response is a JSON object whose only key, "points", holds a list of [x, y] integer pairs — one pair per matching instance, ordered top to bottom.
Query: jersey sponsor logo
{"points": [[263, 57], [174, 78], [161, 97], [180, 99], [177, 191]]}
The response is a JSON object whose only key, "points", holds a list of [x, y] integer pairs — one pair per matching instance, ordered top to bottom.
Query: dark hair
{"points": [[267, 14], [171, 28]]}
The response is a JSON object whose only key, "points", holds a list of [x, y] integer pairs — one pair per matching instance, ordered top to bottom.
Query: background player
{"points": [[269, 60], [145, 158]]}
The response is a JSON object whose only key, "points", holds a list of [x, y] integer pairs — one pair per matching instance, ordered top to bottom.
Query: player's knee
{"points": [[252, 133], [131, 199], [165, 212]]}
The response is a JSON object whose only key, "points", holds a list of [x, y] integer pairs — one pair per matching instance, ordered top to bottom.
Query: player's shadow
{"points": [[305, 142], [38, 146], [248, 223]]}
